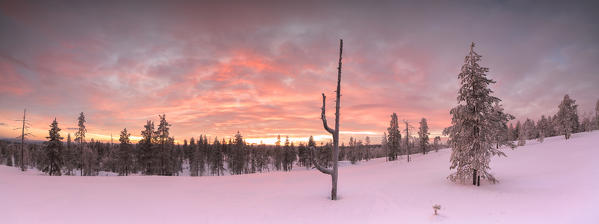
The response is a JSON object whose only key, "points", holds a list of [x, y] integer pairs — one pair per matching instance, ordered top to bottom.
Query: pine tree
{"points": [[567, 116], [473, 123], [542, 127], [162, 134], [423, 135], [80, 137], [393, 138], [146, 149], [54, 150], [278, 154], [69, 157], [193, 158], [125, 159], [217, 162], [237, 164]]}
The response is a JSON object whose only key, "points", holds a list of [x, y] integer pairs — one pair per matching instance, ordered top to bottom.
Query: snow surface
{"points": [[552, 182]]}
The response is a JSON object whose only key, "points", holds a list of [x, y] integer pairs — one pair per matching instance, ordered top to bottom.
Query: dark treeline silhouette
{"points": [[158, 154]]}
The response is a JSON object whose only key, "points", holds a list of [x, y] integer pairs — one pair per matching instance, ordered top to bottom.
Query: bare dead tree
{"points": [[25, 126], [408, 128], [334, 132]]}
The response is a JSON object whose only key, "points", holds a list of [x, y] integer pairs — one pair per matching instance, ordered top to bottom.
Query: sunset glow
{"points": [[262, 71]]}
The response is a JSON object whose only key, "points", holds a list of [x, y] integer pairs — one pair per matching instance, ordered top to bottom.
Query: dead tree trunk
{"points": [[334, 132], [23, 142]]}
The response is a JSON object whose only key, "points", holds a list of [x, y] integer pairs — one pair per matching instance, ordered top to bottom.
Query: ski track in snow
{"points": [[551, 182]]}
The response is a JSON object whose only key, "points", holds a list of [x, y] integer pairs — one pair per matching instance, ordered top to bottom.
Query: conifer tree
{"points": [[567, 116], [473, 123], [162, 134], [423, 135], [521, 135], [80, 137], [393, 138], [436, 143], [146, 149], [54, 150], [68, 156], [193, 158], [125, 159]]}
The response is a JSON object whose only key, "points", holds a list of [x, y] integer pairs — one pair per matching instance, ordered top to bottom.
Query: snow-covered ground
{"points": [[552, 182]]}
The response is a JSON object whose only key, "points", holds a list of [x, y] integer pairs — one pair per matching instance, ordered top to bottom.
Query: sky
{"points": [[259, 67]]}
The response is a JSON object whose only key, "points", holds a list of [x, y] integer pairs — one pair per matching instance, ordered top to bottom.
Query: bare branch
{"points": [[323, 116], [317, 165]]}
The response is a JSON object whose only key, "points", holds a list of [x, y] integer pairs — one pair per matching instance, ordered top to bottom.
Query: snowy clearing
{"points": [[551, 182]]}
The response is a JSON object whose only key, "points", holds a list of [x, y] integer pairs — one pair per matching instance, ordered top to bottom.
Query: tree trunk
{"points": [[335, 132], [23, 142], [474, 177]]}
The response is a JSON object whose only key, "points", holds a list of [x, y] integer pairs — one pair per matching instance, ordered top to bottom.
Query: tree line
{"points": [[158, 154]]}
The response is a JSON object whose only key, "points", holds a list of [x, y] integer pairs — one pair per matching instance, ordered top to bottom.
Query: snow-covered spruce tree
{"points": [[567, 116], [474, 122], [334, 132], [502, 132], [423, 135], [522, 135], [80, 138], [393, 138], [436, 143], [53, 150]]}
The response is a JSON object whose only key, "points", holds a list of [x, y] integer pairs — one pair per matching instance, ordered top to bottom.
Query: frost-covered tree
{"points": [[567, 116], [473, 123], [586, 124], [542, 127], [530, 131], [502, 132], [423, 135], [522, 135], [80, 137], [393, 138], [436, 143], [384, 144], [408, 146], [53, 150]]}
